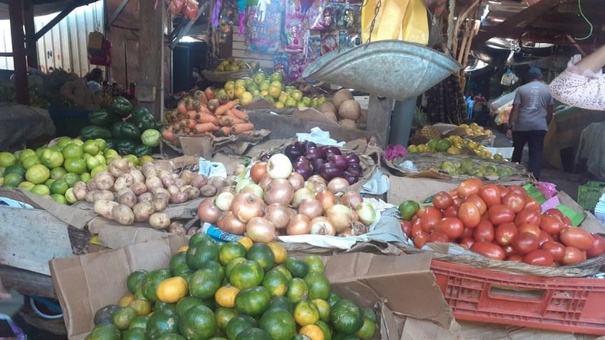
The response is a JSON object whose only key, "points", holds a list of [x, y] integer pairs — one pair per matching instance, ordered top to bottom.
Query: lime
{"points": [[63, 141], [78, 141], [101, 144], [433, 144], [443, 145], [91, 147], [40, 150], [72, 151], [26, 153], [110, 153], [86, 156], [498, 157], [51, 158], [7, 159], [101, 159], [145, 159], [30, 161], [92, 162], [76, 165], [16, 169], [97, 169], [2, 170], [57, 173], [37, 174], [85, 177], [71, 178], [12, 180], [49, 182], [27, 186], [59, 187], [41, 190], [69, 196], [58, 198], [408, 209]]}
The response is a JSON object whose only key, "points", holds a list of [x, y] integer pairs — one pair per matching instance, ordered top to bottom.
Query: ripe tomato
{"points": [[469, 187], [517, 189], [503, 190], [490, 194], [442, 200], [458, 201], [478, 201], [514, 201], [531, 203], [451, 211], [555, 212], [501, 213], [469, 215], [531, 216], [430, 218], [566, 221], [551, 224], [450, 226], [406, 227], [417, 228], [529, 228], [467, 232], [484, 232], [505, 233], [438, 236], [544, 237], [576, 237], [420, 240], [467, 242], [525, 243], [598, 246], [488, 249], [556, 249], [509, 251], [573, 255], [539, 257], [515, 258]]}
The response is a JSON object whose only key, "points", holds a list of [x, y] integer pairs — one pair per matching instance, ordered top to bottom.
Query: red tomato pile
{"points": [[502, 223]]}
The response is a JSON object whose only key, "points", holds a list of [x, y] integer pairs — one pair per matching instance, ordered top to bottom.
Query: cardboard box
{"points": [[29, 238], [402, 285]]}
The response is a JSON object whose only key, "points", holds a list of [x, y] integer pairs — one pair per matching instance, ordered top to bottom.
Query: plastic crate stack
{"points": [[599, 210]]}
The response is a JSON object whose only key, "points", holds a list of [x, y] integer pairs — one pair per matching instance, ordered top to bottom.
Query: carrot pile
{"points": [[196, 115]]}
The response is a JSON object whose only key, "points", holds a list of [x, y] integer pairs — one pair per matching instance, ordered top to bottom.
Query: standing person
{"points": [[582, 84], [529, 119]]}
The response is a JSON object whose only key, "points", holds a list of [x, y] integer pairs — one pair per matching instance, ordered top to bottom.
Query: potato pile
{"points": [[344, 109], [127, 194]]}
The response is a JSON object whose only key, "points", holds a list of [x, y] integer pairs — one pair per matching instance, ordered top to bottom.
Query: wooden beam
{"points": [[15, 12], [520, 19], [30, 34], [150, 82]]}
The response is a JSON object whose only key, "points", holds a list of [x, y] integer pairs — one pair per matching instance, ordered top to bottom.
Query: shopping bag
{"points": [[405, 20]]}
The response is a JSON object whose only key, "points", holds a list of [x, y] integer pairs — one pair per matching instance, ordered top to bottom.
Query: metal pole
{"points": [[15, 12], [401, 121]]}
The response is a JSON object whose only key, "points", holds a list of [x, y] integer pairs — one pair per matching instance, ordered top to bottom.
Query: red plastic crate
{"points": [[564, 304]]}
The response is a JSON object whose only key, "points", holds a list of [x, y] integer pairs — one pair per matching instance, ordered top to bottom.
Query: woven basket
{"points": [[222, 77]]}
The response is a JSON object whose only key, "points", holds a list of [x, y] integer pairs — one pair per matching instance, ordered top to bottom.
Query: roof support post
{"points": [[15, 12]]}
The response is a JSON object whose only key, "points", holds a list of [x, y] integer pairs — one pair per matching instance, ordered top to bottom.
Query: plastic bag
{"points": [[176, 6], [191, 10], [315, 15], [397, 20], [264, 23], [293, 27]]}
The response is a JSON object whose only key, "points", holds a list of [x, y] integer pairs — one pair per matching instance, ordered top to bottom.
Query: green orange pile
{"points": [[236, 291]]}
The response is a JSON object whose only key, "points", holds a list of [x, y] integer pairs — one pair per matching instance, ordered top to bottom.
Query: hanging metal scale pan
{"points": [[389, 68]]}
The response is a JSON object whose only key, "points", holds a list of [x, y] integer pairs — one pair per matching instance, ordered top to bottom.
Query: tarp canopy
{"points": [[43, 7]]}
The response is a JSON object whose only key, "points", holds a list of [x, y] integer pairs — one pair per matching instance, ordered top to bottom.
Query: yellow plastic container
{"points": [[405, 20]]}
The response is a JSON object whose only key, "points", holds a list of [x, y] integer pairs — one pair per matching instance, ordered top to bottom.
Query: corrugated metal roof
{"points": [[43, 7]]}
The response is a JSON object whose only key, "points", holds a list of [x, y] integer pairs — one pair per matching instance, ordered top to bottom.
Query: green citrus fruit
{"points": [[91, 147], [72, 151], [51, 158], [7, 159], [30, 161], [76, 165], [57, 173], [37, 174], [71, 178], [12, 180], [27, 186], [59, 187], [41, 190], [408, 209]]}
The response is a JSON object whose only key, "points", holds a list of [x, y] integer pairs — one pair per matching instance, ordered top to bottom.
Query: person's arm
{"points": [[594, 61], [514, 113]]}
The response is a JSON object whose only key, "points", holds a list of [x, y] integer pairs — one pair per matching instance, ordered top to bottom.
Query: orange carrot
{"points": [[181, 108], [204, 109], [223, 109], [191, 114], [239, 114], [201, 118], [229, 121], [188, 123], [205, 127], [239, 128], [223, 131]]}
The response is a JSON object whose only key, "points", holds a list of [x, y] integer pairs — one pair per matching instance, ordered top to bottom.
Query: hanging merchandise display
{"points": [[264, 25], [99, 49]]}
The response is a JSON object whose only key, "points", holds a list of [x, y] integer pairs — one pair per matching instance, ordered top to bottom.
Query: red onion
{"points": [[293, 151], [331, 151], [313, 153], [352, 158], [340, 161], [303, 168], [355, 169], [330, 170], [351, 179], [279, 191], [246, 206], [311, 208], [207, 211], [279, 215], [299, 225], [259, 229]]}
